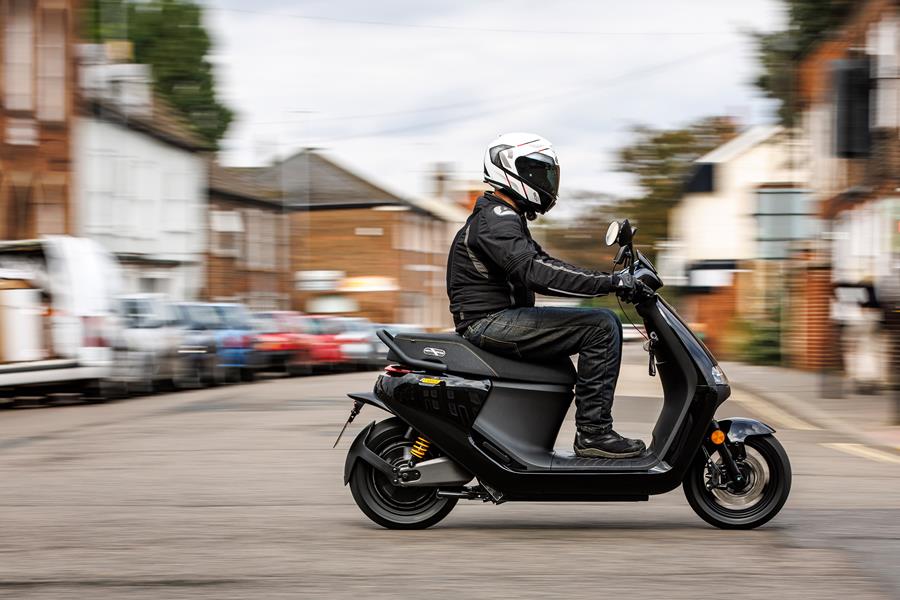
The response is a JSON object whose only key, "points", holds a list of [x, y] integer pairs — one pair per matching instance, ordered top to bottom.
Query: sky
{"points": [[391, 88]]}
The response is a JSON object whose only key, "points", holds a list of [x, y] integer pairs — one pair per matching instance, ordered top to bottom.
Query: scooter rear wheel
{"points": [[768, 472], [388, 505]]}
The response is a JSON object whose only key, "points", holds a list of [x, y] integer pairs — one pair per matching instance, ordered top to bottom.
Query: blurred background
{"points": [[318, 162], [195, 194]]}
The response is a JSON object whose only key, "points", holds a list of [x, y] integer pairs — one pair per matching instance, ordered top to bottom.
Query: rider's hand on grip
{"points": [[624, 284], [630, 289]]}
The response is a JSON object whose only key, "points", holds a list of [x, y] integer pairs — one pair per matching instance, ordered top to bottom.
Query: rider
{"points": [[495, 268]]}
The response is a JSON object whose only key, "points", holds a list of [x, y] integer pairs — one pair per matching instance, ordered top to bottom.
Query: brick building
{"points": [[37, 71], [849, 93], [359, 249], [248, 259]]}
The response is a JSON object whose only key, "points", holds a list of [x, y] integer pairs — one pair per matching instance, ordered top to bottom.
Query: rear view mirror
{"points": [[612, 234]]}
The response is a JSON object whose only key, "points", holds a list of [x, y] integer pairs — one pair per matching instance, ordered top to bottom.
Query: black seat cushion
{"points": [[465, 358]]}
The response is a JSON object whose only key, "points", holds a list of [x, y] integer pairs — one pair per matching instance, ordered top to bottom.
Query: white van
{"points": [[56, 314]]}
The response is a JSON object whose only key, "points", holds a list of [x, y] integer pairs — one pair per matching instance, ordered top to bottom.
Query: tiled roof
{"points": [[163, 122], [244, 182]]}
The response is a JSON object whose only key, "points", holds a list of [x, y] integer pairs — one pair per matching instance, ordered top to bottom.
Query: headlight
{"points": [[718, 376]]}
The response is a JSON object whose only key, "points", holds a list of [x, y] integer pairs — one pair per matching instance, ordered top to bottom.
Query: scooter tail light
{"points": [[396, 371]]}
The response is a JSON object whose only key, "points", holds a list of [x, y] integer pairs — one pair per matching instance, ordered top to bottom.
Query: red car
{"points": [[276, 343], [319, 346]]}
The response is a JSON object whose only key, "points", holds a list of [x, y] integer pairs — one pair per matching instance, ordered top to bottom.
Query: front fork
{"points": [[727, 451]]}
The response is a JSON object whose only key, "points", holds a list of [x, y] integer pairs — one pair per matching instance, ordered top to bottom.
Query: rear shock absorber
{"points": [[420, 447]]}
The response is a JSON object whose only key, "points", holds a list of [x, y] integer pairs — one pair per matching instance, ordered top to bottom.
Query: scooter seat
{"points": [[465, 358]]}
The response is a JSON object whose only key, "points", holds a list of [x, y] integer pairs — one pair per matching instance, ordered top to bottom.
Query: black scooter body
{"points": [[502, 431]]}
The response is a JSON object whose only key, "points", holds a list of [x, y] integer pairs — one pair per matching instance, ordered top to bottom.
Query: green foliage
{"points": [[169, 36], [780, 52], [661, 159], [757, 341]]}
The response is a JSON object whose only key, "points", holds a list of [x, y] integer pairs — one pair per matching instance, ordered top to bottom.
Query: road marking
{"points": [[771, 414], [864, 452]]}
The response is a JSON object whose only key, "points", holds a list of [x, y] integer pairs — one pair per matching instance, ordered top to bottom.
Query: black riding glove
{"points": [[630, 289]]}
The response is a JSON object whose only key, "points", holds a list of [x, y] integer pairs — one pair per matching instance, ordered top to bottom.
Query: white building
{"points": [[141, 179], [746, 200], [746, 207]]}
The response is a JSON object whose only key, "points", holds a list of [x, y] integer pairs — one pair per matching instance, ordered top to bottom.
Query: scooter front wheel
{"points": [[767, 472], [389, 505]]}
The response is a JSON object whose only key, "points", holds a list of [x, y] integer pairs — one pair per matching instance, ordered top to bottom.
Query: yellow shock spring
{"points": [[420, 448]]}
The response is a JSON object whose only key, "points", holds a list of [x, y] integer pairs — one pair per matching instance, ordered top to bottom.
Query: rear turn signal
{"points": [[717, 437]]}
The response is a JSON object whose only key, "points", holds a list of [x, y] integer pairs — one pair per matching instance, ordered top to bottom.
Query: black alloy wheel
{"points": [[767, 472], [389, 505]]}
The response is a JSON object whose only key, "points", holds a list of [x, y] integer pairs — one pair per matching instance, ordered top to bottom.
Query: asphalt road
{"points": [[236, 493]]}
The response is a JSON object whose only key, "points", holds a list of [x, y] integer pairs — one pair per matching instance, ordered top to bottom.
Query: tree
{"points": [[169, 36], [780, 52], [661, 159]]}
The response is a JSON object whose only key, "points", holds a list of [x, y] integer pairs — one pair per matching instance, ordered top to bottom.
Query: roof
{"points": [[164, 122], [747, 140], [311, 181], [242, 182], [443, 209]]}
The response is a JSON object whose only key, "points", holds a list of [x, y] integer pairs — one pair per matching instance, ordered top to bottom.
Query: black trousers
{"points": [[535, 334]]}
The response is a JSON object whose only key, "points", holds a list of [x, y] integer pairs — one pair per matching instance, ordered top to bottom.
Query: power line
{"points": [[461, 28], [592, 87], [466, 104]]}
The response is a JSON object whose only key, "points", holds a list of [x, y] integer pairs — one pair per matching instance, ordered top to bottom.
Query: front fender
{"points": [[738, 429], [359, 450]]}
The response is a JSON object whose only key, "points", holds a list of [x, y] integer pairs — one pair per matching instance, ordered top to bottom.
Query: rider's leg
{"points": [[544, 333]]}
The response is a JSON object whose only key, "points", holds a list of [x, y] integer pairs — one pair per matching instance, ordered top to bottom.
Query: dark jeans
{"points": [[538, 334]]}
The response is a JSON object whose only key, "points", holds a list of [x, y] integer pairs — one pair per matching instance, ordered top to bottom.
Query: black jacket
{"points": [[495, 264]]}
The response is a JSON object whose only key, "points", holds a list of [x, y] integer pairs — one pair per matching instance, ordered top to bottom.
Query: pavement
{"points": [[824, 400], [235, 492]]}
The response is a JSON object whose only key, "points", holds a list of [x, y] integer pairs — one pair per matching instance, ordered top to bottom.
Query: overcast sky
{"points": [[394, 86]]}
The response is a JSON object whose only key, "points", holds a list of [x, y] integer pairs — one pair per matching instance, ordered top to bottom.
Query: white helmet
{"points": [[525, 167]]}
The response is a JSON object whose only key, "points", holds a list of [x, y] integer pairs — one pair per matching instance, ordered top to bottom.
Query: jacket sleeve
{"points": [[504, 241]]}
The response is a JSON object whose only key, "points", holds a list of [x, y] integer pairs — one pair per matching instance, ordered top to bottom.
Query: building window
{"points": [[19, 53], [52, 66], [176, 202], [18, 210], [50, 210], [783, 216], [227, 227]]}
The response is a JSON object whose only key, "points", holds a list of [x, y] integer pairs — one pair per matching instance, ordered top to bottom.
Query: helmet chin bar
{"points": [[525, 205]]}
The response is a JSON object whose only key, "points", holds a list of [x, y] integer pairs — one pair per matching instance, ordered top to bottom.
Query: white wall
{"points": [[136, 194], [721, 225], [863, 242]]}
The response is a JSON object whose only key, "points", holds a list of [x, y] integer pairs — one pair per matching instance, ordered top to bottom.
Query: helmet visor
{"points": [[539, 171]]}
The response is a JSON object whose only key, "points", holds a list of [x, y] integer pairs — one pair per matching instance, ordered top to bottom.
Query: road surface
{"points": [[235, 492]]}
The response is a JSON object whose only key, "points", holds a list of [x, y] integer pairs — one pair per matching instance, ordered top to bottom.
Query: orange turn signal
{"points": [[717, 437]]}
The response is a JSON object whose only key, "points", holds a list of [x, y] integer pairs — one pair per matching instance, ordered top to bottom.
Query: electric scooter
{"points": [[469, 424]]}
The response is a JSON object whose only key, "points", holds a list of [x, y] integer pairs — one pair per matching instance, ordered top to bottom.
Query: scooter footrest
{"points": [[567, 461]]}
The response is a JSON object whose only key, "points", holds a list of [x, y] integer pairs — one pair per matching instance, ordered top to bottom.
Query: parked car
{"points": [[57, 303], [235, 340], [357, 340], [277, 341], [146, 343], [319, 347], [198, 361]]}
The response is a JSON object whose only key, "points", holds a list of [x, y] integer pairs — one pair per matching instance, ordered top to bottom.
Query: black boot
{"points": [[606, 445]]}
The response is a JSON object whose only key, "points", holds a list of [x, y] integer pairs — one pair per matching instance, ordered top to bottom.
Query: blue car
{"points": [[235, 339]]}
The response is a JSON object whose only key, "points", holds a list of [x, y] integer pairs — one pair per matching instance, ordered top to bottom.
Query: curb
{"points": [[814, 415]]}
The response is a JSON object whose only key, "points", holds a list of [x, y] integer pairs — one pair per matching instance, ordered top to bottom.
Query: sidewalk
{"points": [[869, 419]]}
